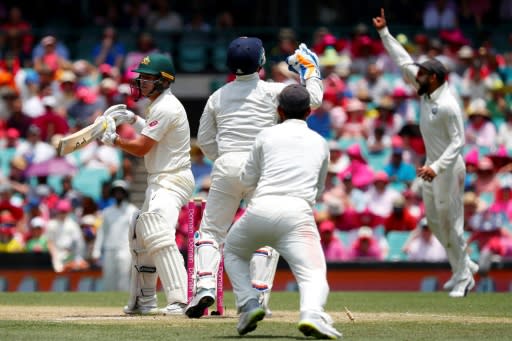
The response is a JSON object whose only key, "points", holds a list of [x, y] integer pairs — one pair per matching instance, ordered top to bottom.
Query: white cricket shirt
{"points": [[237, 112], [441, 122], [167, 123], [288, 159]]}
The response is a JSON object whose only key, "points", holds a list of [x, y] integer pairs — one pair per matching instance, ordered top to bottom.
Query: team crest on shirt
{"points": [[435, 108], [153, 123]]}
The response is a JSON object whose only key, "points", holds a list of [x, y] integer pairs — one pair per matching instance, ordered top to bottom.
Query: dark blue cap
{"points": [[245, 55]]}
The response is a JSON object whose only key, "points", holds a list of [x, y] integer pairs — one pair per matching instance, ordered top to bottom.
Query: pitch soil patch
{"points": [[108, 315]]}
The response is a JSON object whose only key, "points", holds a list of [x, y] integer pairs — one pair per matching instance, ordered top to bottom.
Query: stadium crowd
{"points": [[371, 209]]}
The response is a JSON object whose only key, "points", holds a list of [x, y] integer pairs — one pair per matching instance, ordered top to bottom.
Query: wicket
{"points": [[195, 214]]}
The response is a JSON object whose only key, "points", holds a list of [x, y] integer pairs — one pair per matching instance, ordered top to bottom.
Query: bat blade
{"points": [[81, 138]]}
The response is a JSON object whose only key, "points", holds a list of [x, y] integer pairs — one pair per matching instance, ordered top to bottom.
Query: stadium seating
{"points": [[6, 155], [88, 181], [396, 240]]}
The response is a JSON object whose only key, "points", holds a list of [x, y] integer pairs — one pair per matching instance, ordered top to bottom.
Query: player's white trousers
{"points": [[165, 195], [445, 214], [286, 224], [116, 269]]}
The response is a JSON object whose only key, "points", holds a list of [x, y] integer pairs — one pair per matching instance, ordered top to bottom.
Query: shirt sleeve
{"points": [[399, 56], [315, 88], [158, 123], [207, 133], [456, 136], [251, 172], [323, 173]]}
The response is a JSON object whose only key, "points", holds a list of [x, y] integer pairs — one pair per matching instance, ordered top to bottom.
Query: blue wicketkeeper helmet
{"points": [[245, 55]]}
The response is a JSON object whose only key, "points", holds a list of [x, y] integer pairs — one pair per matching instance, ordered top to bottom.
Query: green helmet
{"points": [[157, 64]]}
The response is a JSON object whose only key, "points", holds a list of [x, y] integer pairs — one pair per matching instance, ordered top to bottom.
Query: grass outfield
{"points": [[378, 316]]}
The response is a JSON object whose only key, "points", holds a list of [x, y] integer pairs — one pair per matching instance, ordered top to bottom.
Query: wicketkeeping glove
{"points": [[305, 63], [109, 136]]}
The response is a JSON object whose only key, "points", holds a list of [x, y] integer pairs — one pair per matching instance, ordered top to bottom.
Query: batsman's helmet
{"points": [[245, 55], [157, 64]]}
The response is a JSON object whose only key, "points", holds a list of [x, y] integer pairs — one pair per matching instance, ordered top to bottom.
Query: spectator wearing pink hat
{"points": [[85, 108], [356, 124], [358, 168], [486, 180], [380, 196], [65, 240], [331, 244], [366, 247]]}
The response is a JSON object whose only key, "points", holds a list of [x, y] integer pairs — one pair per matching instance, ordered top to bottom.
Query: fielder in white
{"points": [[232, 118], [442, 128], [164, 141], [287, 166], [111, 243]]}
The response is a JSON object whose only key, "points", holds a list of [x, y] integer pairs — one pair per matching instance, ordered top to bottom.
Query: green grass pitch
{"points": [[378, 316]]}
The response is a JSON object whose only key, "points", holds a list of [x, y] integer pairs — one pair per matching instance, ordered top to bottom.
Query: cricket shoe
{"points": [[450, 284], [462, 287], [202, 300], [174, 309], [141, 310], [250, 314], [318, 325]]}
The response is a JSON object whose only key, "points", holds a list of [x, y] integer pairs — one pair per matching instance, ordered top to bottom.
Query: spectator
{"points": [[440, 14], [163, 19], [145, 45], [286, 45], [109, 50], [51, 54], [85, 108], [18, 119], [50, 123], [356, 125], [480, 130], [505, 131], [34, 150], [99, 155], [201, 167], [360, 171], [401, 174], [486, 180], [380, 196], [503, 199], [6, 204], [400, 218], [88, 226], [10, 239], [65, 240], [493, 240], [36, 241], [331, 244], [423, 246], [365, 247]]}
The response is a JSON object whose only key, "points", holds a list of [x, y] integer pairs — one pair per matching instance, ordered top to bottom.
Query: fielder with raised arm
{"points": [[231, 119], [164, 141], [287, 166], [443, 174]]}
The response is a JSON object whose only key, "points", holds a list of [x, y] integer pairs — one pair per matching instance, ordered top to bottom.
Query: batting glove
{"points": [[305, 63], [114, 108], [123, 116], [109, 136]]}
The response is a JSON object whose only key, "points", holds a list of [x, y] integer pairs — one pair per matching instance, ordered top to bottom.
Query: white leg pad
{"points": [[160, 245], [206, 261], [263, 269], [143, 276]]}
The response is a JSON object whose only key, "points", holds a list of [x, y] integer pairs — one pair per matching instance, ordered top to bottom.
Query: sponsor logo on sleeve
{"points": [[153, 123]]}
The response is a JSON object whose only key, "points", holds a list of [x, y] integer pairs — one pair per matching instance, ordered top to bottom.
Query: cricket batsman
{"points": [[164, 142]]}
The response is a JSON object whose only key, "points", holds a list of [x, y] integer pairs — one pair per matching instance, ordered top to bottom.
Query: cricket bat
{"points": [[84, 136]]}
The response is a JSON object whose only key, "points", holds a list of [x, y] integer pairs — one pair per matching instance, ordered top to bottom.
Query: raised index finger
{"points": [[382, 13]]}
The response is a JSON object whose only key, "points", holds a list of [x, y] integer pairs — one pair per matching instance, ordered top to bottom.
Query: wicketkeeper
{"points": [[232, 118], [164, 141]]}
